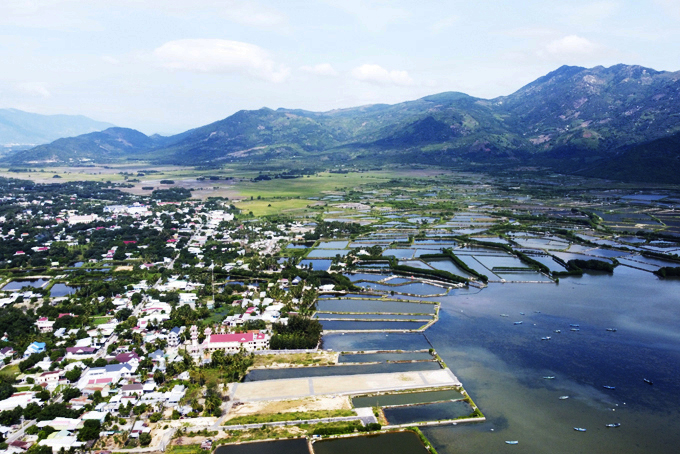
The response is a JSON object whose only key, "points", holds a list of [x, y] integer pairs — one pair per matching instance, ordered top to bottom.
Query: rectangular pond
{"points": [[325, 253], [317, 264], [18, 284], [59, 290], [375, 306], [327, 316], [350, 325], [385, 357], [345, 369], [425, 397], [427, 412], [388, 443], [297, 446]]}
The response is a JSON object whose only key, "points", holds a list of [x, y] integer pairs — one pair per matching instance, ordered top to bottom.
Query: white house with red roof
{"points": [[44, 325], [232, 343]]}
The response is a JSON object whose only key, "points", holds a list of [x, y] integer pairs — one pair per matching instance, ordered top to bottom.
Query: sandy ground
{"points": [[123, 268], [274, 361], [340, 384], [283, 406]]}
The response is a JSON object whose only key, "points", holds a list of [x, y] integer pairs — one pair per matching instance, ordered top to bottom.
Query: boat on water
{"points": [[537, 312], [521, 313], [505, 315], [517, 323], [574, 325], [575, 329], [611, 330], [558, 331], [547, 338], [550, 377], [648, 381], [609, 387], [564, 397], [616, 424], [579, 429], [511, 442]]}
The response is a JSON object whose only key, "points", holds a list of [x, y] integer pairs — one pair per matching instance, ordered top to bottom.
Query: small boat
{"points": [[537, 312], [521, 313], [505, 315], [517, 323], [574, 325], [575, 329], [611, 330], [558, 331], [547, 338], [550, 377], [648, 381], [609, 387], [564, 397], [616, 424], [579, 429], [511, 442]]}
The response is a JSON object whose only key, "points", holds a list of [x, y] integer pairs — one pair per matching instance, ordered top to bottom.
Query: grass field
{"points": [[10, 371]]}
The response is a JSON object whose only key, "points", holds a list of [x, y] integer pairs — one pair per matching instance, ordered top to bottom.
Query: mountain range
{"points": [[621, 122], [19, 129]]}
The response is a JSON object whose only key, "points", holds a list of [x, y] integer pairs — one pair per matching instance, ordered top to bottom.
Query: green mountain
{"points": [[573, 119], [19, 128], [104, 146]]}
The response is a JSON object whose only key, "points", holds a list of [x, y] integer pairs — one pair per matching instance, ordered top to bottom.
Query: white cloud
{"points": [[670, 6], [255, 15], [444, 23], [571, 46], [220, 56], [111, 60], [322, 69], [378, 75], [33, 89]]}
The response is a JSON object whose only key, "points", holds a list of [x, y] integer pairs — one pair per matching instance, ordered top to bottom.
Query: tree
{"points": [[73, 375], [158, 376], [70, 393], [90, 430], [144, 439]]}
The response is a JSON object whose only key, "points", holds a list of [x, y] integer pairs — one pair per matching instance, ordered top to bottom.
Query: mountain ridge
{"points": [[569, 119], [19, 128]]}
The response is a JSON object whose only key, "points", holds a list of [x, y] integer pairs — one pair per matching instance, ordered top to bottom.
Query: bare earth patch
{"points": [[285, 406]]}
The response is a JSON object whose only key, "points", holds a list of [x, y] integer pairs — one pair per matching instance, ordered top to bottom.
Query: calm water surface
{"points": [[502, 365]]}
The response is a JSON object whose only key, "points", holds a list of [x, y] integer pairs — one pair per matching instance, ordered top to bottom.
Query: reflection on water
{"points": [[350, 369], [406, 398], [427, 412], [390, 443], [298, 446]]}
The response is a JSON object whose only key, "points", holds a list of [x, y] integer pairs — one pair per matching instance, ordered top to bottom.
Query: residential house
{"points": [[35, 347]]}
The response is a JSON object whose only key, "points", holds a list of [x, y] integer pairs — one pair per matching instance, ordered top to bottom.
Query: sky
{"points": [[165, 66]]}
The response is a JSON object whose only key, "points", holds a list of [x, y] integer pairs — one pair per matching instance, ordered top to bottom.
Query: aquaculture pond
{"points": [[325, 253], [317, 264], [18, 284], [417, 288], [59, 290], [366, 305], [329, 316], [350, 325], [384, 357], [350, 369], [425, 397], [427, 412], [390, 443], [297, 446]]}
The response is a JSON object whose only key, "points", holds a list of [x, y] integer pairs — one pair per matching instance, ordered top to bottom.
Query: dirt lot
{"points": [[339, 384], [299, 405]]}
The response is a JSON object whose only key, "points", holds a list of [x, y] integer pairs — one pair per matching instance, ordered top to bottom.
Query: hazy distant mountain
{"points": [[573, 119], [24, 128], [102, 146]]}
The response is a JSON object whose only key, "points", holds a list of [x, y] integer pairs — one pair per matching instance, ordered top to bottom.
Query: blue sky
{"points": [[169, 65]]}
